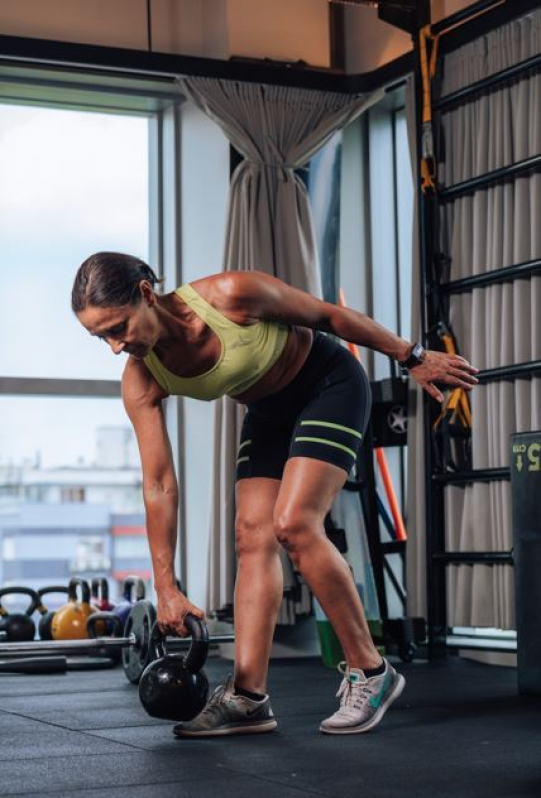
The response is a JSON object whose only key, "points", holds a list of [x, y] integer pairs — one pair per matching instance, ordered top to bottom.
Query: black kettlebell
{"points": [[47, 615], [19, 626], [113, 628], [174, 687]]}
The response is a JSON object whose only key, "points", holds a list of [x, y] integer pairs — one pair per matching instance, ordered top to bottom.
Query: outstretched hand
{"points": [[453, 370]]}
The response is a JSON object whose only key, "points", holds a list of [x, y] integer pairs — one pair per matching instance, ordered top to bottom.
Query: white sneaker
{"points": [[363, 701]]}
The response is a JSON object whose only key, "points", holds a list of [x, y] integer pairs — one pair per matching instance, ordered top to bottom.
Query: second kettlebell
{"points": [[100, 594], [47, 615], [69, 622]]}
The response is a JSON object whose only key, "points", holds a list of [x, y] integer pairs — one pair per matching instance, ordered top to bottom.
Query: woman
{"points": [[252, 337]]}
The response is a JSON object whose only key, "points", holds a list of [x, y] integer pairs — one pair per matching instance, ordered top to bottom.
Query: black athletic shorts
{"points": [[322, 413]]}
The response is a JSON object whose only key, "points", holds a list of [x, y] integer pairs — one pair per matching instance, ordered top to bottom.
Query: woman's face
{"points": [[129, 328]]}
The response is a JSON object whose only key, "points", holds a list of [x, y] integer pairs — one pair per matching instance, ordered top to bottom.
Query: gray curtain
{"points": [[277, 130], [495, 326]]}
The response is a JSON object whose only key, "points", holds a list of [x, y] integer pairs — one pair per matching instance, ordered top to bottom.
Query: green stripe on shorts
{"points": [[333, 426], [245, 443], [328, 443], [242, 460]]}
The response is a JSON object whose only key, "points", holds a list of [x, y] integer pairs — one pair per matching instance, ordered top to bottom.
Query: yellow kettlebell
{"points": [[69, 622]]}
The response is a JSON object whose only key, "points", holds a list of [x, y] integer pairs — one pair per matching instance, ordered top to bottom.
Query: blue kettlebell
{"points": [[133, 585]]}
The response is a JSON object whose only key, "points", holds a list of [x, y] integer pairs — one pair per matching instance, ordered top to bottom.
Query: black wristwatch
{"points": [[415, 358]]}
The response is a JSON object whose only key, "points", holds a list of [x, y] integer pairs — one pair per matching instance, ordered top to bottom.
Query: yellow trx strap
{"points": [[428, 73], [457, 403]]}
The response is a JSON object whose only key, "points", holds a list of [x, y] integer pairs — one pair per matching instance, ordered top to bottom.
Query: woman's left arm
{"points": [[260, 296]]}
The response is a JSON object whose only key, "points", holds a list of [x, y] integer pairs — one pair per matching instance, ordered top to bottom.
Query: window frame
{"points": [[158, 101], [385, 113]]}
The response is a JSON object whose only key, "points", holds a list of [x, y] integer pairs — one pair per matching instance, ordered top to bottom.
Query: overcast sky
{"points": [[72, 183]]}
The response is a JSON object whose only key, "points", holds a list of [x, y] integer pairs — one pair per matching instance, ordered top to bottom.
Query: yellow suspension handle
{"points": [[428, 72], [457, 401]]}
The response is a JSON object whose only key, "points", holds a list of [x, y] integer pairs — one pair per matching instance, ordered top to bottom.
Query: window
{"points": [[73, 183], [72, 495], [131, 547], [91, 555]]}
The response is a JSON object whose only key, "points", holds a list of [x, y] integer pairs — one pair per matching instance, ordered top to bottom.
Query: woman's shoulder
{"points": [[231, 282], [228, 292]]}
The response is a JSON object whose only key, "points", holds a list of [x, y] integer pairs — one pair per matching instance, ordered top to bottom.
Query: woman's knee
{"points": [[296, 530], [254, 536]]}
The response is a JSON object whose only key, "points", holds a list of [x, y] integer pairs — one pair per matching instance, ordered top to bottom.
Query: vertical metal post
{"points": [[171, 255], [366, 471], [435, 574]]}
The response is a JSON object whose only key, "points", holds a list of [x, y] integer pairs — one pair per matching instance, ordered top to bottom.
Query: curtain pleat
{"points": [[277, 130]]}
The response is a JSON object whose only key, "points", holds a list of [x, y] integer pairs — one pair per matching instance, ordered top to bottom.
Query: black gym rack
{"points": [[481, 16]]}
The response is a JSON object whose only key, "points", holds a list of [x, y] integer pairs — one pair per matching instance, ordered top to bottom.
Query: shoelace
{"points": [[352, 695], [215, 699]]}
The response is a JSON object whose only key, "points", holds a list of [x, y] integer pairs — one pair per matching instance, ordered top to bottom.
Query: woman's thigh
{"points": [[324, 445], [307, 491]]}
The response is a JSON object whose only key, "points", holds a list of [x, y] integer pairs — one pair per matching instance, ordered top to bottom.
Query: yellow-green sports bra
{"points": [[247, 354]]}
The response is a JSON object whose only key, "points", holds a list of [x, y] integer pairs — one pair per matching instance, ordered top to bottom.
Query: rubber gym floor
{"points": [[459, 729]]}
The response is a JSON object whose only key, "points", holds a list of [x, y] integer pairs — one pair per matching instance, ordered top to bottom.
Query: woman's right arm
{"points": [[142, 398]]}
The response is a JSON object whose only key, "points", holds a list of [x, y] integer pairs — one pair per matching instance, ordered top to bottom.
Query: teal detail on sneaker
{"points": [[363, 700], [375, 700]]}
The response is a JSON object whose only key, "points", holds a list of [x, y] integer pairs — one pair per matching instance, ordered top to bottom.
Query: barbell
{"points": [[136, 648]]}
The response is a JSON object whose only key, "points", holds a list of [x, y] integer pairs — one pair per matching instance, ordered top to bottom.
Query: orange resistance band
{"points": [[382, 460]]}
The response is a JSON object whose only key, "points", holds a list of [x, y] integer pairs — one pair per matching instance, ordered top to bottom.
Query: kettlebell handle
{"points": [[74, 583], [131, 583], [100, 588], [24, 591], [44, 591], [104, 618], [197, 654]]}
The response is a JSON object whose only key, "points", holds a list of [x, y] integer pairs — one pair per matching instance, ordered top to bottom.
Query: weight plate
{"points": [[136, 657]]}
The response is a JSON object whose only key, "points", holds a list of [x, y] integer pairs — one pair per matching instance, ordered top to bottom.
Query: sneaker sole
{"points": [[376, 717], [254, 728]]}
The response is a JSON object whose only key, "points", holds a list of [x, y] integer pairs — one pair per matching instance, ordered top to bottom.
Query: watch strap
{"points": [[415, 358]]}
